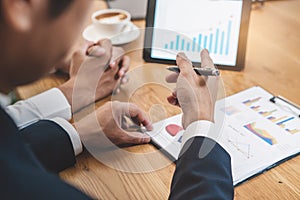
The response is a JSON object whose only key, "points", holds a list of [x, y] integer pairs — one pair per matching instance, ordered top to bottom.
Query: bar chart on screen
{"points": [[198, 29], [217, 41]]}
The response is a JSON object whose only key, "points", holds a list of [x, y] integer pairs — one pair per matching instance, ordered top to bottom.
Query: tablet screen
{"points": [[193, 25]]}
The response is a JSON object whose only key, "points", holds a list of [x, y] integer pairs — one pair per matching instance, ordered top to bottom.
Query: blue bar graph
{"points": [[228, 37], [217, 41], [177, 42], [199, 42], [205, 42], [210, 42], [222, 43], [182, 44], [194, 44], [171, 45], [188, 46], [282, 122]]}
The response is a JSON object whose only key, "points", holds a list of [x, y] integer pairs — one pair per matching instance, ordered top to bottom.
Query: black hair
{"points": [[58, 6]]}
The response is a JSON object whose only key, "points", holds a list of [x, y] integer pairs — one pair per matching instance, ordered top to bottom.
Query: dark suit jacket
{"points": [[23, 155], [28, 157], [202, 178]]}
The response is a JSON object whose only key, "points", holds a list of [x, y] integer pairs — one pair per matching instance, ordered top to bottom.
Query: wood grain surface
{"points": [[272, 62]]}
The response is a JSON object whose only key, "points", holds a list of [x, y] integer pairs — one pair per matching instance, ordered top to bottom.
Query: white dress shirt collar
{"points": [[5, 100]]}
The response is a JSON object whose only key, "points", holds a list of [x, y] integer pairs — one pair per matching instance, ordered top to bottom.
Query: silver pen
{"points": [[200, 71], [281, 101], [128, 125]]}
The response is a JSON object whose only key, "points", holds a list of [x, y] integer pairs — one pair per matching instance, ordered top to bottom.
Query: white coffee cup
{"points": [[110, 21]]}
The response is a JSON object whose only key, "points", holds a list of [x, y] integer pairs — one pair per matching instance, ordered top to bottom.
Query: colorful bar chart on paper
{"points": [[217, 42], [251, 101], [255, 108], [267, 113], [274, 119], [284, 121], [293, 131], [261, 133]]}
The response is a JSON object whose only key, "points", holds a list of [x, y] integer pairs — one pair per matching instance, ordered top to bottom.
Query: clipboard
{"points": [[260, 131]]}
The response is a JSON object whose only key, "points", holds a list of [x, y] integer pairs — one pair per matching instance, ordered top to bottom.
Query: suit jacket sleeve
{"points": [[50, 144], [22, 176], [207, 177]]}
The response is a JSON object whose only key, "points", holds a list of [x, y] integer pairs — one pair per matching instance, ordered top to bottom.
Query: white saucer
{"points": [[129, 34]]}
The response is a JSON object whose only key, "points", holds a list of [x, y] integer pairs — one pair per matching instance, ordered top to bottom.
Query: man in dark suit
{"points": [[34, 35]]}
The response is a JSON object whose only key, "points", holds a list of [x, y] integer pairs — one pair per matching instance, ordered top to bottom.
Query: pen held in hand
{"points": [[200, 71], [128, 125]]}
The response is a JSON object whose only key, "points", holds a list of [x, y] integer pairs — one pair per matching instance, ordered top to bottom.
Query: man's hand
{"points": [[94, 74], [195, 94], [108, 122]]}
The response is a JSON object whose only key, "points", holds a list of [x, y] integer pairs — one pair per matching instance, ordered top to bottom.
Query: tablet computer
{"points": [[221, 26]]}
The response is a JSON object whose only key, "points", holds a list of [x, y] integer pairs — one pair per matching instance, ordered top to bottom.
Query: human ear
{"points": [[19, 14]]}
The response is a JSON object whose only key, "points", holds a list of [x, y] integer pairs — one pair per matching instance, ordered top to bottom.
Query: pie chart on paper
{"points": [[173, 129]]}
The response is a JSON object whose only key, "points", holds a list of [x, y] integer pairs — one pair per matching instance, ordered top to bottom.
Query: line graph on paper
{"points": [[237, 141]]}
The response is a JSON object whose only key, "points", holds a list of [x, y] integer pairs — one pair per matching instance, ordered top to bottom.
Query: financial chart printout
{"points": [[193, 25], [257, 133]]}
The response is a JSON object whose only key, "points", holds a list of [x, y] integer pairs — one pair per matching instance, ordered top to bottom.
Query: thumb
{"points": [[107, 45], [96, 51], [172, 78], [138, 115]]}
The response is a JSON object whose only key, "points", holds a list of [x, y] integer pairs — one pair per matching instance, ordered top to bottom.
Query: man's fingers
{"points": [[105, 43], [100, 48], [96, 51], [117, 54], [77, 60], [206, 60], [117, 61], [184, 64], [125, 66], [114, 69], [172, 78], [124, 79], [173, 100], [139, 115], [137, 138]]}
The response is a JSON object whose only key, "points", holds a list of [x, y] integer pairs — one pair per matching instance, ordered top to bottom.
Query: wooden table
{"points": [[272, 61]]}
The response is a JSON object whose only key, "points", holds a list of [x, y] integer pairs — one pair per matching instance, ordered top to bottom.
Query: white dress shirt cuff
{"points": [[5, 100], [52, 103], [46, 105], [199, 128], [74, 137]]}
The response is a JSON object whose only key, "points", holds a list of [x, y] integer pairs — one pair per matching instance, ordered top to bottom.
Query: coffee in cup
{"points": [[111, 21]]}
